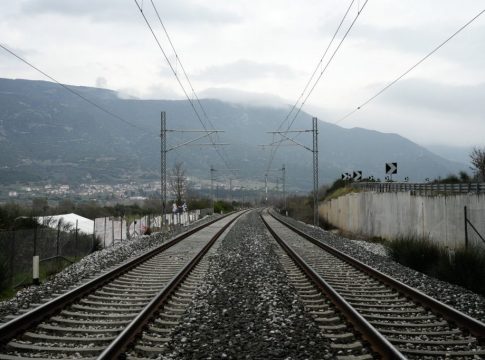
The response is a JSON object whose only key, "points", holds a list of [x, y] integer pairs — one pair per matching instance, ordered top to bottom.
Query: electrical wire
{"points": [[178, 61], [328, 62], [317, 66], [410, 69], [180, 82], [74, 92], [275, 149]]}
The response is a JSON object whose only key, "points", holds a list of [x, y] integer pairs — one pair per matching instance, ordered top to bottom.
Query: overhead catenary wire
{"points": [[178, 61], [328, 62], [318, 65], [410, 69], [179, 81], [74, 92], [273, 153]]}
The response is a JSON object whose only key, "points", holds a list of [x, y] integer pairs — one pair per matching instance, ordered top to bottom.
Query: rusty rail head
{"points": [[25, 321], [464, 321], [376, 340], [119, 345]]}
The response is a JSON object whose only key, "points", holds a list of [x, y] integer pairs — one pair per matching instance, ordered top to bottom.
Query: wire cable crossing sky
{"points": [[257, 54], [410, 69], [179, 81]]}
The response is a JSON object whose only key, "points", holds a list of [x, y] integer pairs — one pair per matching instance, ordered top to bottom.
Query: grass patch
{"points": [[340, 192], [464, 267], [47, 269]]}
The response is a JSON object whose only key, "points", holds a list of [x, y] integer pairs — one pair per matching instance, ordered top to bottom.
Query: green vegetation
{"points": [[461, 178], [339, 188], [223, 207], [300, 208], [11, 214], [464, 267], [47, 269]]}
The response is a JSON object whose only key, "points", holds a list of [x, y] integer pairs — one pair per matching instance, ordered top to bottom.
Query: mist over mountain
{"points": [[240, 97], [48, 134]]}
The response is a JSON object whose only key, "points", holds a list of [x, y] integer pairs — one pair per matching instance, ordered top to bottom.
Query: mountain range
{"points": [[49, 135]]}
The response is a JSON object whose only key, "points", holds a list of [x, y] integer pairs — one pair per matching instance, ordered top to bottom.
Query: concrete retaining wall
{"points": [[398, 214]]}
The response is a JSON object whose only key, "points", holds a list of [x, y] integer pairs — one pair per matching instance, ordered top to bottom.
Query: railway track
{"points": [[102, 316], [396, 320], [345, 341]]}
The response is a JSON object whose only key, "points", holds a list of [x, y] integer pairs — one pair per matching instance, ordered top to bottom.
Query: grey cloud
{"points": [[116, 11], [400, 38], [467, 48], [244, 70], [101, 82], [244, 97], [458, 99]]}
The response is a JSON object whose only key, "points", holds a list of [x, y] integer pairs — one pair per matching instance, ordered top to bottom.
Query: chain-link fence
{"points": [[474, 225], [112, 230], [58, 243], [56, 247]]}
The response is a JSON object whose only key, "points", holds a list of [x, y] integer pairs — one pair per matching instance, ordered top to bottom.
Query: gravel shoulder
{"points": [[456, 296], [246, 308]]}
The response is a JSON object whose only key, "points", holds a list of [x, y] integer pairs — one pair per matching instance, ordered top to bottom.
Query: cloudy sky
{"points": [[270, 47]]}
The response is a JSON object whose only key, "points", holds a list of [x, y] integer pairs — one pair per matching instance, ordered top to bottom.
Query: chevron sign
{"points": [[391, 168]]}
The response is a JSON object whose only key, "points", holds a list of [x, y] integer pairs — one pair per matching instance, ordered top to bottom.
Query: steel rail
{"points": [[25, 321], [464, 321], [133, 330], [376, 340]]}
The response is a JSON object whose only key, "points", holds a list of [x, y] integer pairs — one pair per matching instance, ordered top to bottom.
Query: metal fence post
{"points": [[466, 229], [104, 233], [58, 235], [94, 235], [75, 241], [12, 256], [35, 260]]}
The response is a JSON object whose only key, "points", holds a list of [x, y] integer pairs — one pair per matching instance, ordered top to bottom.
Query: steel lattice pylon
{"points": [[163, 163], [315, 171]]}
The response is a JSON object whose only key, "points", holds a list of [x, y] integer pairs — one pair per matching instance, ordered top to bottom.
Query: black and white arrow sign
{"points": [[391, 168], [357, 175], [346, 176]]}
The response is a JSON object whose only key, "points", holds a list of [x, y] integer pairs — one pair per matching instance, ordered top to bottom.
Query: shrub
{"points": [[223, 206], [419, 254], [464, 267], [469, 269], [4, 272]]}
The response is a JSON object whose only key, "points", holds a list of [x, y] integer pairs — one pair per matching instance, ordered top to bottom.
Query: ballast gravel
{"points": [[91, 265], [455, 296], [246, 308]]}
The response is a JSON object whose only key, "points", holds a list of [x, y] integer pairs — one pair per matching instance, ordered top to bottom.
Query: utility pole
{"points": [[164, 150], [313, 150], [163, 164], [283, 169], [315, 171], [212, 185], [266, 187], [230, 189]]}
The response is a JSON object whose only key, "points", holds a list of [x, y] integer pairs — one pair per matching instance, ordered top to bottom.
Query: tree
{"points": [[477, 157], [177, 182], [39, 206], [66, 206]]}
